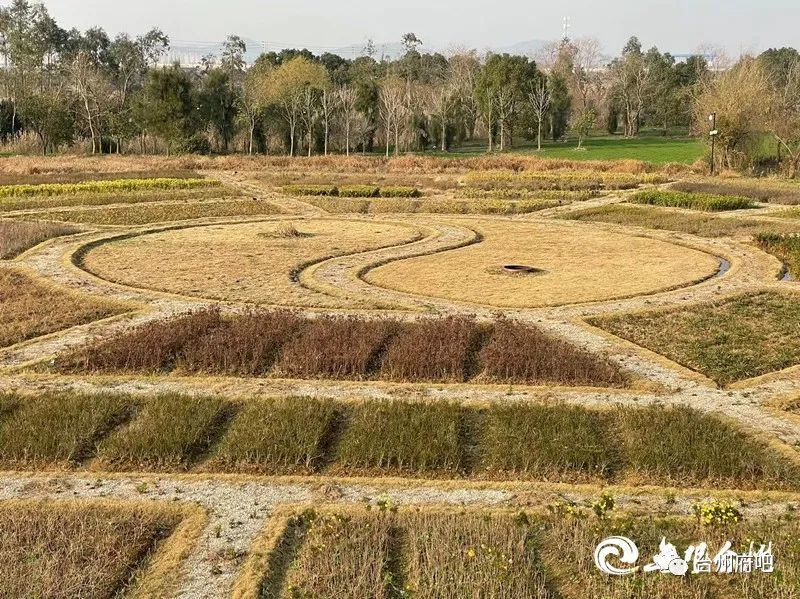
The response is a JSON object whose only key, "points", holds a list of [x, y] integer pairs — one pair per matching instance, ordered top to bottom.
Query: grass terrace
{"points": [[108, 186], [774, 191], [693, 201], [430, 206], [159, 213], [785, 247], [31, 308], [728, 341], [446, 554]]}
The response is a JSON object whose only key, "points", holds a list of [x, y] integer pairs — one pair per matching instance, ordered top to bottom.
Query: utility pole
{"points": [[713, 118]]}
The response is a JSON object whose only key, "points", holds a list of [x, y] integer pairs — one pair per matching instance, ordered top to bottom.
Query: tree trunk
{"points": [[444, 135], [539, 137]]}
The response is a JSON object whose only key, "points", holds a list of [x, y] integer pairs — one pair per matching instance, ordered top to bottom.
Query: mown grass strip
{"points": [[117, 185], [693, 201], [169, 433]]}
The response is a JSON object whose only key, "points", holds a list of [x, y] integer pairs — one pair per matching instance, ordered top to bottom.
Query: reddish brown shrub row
{"points": [[284, 344], [248, 345], [152, 347], [336, 347], [434, 350], [524, 354]]}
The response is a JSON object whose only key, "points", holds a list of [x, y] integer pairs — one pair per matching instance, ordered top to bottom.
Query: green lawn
{"points": [[649, 147]]}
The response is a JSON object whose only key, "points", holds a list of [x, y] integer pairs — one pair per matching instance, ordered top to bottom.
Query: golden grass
{"points": [[100, 186], [338, 205], [155, 213], [704, 225], [18, 236], [251, 262], [579, 264], [31, 308], [68, 549]]}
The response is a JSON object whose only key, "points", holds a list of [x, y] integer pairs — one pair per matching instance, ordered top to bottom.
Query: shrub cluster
{"points": [[114, 185], [762, 190], [352, 191], [693, 201], [280, 343]]}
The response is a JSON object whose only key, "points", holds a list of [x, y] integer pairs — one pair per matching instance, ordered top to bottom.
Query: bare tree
{"points": [[539, 100], [442, 101], [348, 102], [329, 103], [392, 107], [783, 118]]}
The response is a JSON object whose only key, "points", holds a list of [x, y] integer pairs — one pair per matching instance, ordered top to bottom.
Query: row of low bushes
{"points": [[114, 185], [352, 191], [694, 201], [429, 206], [285, 344], [656, 445]]}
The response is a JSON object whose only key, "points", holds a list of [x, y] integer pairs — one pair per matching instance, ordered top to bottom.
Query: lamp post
{"points": [[713, 118]]}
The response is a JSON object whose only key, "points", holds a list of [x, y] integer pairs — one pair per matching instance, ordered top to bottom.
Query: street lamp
{"points": [[713, 118]]}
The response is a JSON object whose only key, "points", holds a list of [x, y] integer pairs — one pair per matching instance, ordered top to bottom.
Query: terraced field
{"points": [[392, 378]]}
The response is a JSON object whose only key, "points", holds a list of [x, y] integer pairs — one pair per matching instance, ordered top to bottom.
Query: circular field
{"points": [[250, 263], [566, 263]]}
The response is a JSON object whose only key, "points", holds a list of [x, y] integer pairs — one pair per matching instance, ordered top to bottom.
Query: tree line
{"points": [[64, 87]]}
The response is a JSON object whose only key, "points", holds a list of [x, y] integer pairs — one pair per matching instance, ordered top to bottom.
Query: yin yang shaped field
{"points": [[573, 264]]}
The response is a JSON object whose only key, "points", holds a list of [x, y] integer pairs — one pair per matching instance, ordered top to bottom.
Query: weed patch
{"points": [[19, 236]]}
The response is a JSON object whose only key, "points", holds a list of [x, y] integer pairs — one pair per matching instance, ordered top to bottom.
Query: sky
{"points": [[679, 26]]}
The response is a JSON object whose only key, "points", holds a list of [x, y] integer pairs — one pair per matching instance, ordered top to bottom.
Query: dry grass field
{"points": [[702, 225], [17, 237], [251, 263], [574, 264], [31, 308], [379, 407], [63, 550], [445, 554]]}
